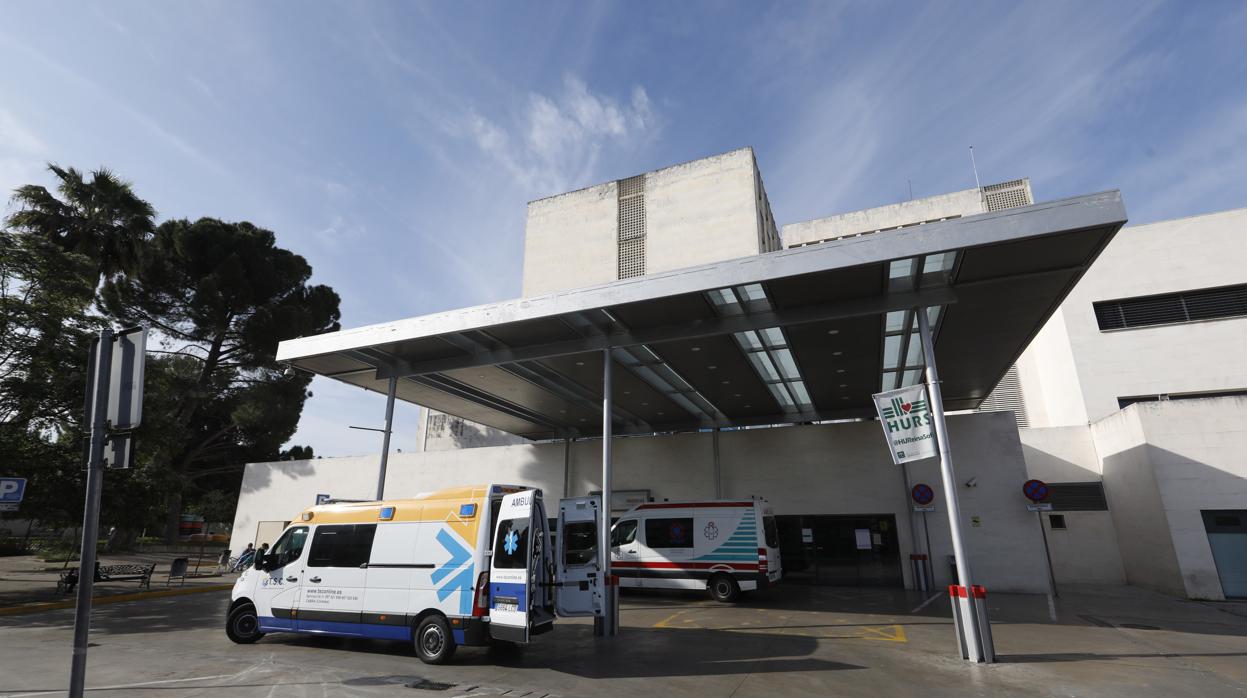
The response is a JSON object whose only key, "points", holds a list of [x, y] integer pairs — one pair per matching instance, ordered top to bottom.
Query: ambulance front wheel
{"points": [[723, 588], [243, 626], [434, 643]]}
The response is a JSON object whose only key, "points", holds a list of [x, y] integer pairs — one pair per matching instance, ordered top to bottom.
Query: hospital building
{"points": [[1100, 357]]}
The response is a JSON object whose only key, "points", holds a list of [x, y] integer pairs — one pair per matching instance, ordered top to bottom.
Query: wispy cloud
{"points": [[556, 141]]}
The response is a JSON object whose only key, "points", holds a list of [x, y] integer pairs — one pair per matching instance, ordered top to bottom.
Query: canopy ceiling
{"points": [[798, 335]]}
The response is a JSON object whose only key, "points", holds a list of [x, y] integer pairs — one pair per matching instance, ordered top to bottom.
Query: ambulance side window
{"points": [[623, 533], [669, 533], [342, 546], [289, 547]]}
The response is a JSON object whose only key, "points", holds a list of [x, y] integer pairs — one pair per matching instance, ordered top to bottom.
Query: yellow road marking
{"points": [[101, 600], [663, 623], [888, 633]]}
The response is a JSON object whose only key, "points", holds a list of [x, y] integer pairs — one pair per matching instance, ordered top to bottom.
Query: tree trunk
{"points": [[173, 519], [122, 539]]}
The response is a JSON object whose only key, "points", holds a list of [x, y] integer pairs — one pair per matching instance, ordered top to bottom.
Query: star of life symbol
{"points": [[710, 531], [511, 543]]}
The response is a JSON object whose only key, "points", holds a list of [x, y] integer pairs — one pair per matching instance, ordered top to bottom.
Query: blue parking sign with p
{"points": [[12, 489]]}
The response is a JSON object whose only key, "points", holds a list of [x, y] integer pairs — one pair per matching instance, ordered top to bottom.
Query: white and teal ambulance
{"points": [[722, 546]]}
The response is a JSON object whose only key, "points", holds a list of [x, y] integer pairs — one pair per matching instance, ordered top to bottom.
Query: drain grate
{"points": [[427, 685]]}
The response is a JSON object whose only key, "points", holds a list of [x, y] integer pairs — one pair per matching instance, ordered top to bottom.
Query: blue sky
{"points": [[395, 144]]}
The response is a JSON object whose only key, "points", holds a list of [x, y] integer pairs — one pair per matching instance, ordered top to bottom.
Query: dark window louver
{"points": [[1170, 308], [1077, 496]]}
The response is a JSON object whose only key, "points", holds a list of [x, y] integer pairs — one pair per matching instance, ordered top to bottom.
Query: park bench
{"points": [[109, 573]]}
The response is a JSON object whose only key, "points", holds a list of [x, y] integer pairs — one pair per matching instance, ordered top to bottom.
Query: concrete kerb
{"points": [[112, 598]]}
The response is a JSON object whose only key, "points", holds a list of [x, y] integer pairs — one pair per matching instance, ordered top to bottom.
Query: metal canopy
{"points": [[798, 335]]}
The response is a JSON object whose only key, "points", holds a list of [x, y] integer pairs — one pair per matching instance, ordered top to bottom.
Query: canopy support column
{"points": [[385, 442], [608, 623], [970, 627]]}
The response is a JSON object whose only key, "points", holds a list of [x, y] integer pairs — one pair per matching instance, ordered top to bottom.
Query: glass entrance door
{"points": [[1227, 536], [849, 550]]}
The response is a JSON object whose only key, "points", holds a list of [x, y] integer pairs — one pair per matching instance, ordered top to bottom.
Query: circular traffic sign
{"points": [[1035, 490], [922, 494]]}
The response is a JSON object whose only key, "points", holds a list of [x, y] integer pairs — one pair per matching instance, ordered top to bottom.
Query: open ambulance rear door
{"points": [[518, 569], [578, 588]]}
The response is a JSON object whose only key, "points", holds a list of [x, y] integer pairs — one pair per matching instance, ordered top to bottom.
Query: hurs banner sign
{"points": [[905, 414]]}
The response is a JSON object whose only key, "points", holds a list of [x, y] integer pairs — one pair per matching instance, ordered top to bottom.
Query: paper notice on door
{"points": [[863, 538]]}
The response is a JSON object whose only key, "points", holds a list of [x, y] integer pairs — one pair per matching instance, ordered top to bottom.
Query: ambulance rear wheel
{"points": [[723, 588], [243, 626], [434, 643]]}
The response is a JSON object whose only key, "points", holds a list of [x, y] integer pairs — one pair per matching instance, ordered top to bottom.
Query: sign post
{"points": [[115, 366], [1037, 491], [923, 496], [973, 641]]}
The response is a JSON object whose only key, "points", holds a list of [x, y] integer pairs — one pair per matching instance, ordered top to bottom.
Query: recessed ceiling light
{"points": [[833, 331], [696, 348], [836, 353], [580, 363], [711, 367], [839, 370], [726, 382], [844, 385], [627, 392], [736, 395], [844, 397], [644, 404], [748, 406], [661, 412], [582, 419]]}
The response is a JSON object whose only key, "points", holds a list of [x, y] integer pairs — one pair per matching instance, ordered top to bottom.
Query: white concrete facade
{"points": [[697, 212], [872, 220], [1074, 373], [1162, 464], [807, 470]]}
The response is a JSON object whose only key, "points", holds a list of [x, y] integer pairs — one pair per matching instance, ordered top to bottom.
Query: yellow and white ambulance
{"points": [[465, 566]]}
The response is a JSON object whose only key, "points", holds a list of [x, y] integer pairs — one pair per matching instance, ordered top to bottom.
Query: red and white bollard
{"points": [[970, 606]]}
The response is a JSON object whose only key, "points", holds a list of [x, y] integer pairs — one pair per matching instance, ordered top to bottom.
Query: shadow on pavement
{"points": [[637, 652]]}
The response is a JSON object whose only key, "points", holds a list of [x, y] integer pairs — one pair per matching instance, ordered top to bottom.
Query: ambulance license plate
{"points": [[504, 606]]}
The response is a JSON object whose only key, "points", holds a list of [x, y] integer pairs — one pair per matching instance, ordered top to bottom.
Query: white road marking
{"points": [[926, 603]]}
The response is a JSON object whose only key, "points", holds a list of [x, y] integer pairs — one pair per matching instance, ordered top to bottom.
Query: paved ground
{"points": [[25, 579], [790, 641]]}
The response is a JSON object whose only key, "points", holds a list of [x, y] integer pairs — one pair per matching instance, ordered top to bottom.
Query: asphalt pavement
{"points": [[798, 641]]}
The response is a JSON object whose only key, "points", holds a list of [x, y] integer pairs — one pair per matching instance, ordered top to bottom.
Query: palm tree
{"points": [[101, 219]]}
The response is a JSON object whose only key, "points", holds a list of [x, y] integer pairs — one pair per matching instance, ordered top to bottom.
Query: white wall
{"points": [[931, 208], [702, 211], [571, 240], [1184, 254], [1197, 450], [819, 469], [279, 491], [1087, 550], [1147, 550]]}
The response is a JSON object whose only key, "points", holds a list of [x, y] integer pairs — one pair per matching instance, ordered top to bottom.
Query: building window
{"points": [[1172, 308], [1077, 496], [1056, 522]]}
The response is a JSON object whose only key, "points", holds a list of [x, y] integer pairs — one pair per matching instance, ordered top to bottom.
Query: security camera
{"points": [[972, 482]]}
